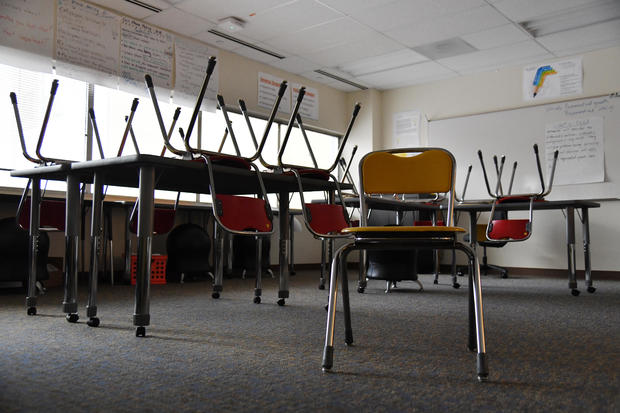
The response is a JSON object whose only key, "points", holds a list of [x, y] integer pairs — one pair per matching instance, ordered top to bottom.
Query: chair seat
{"points": [[403, 230]]}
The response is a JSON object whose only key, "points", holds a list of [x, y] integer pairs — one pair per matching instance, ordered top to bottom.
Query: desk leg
{"points": [[473, 220], [291, 229], [72, 234], [35, 238], [95, 249], [586, 249], [570, 250], [127, 269], [283, 292], [141, 316]]}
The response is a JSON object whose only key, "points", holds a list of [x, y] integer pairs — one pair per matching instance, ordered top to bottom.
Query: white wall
{"points": [[501, 89]]}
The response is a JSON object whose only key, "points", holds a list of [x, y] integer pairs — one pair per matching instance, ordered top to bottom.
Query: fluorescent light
{"points": [[599, 11]]}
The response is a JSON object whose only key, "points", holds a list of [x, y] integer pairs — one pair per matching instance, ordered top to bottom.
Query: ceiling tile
{"points": [[351, 6], [131, 9], [218, 9], [520, 10], [408, 12], [286, 19], [179, 21], [433, 30], [320, 37], [495, 37], [586, 38], [373, 45], [400, 58], [495, 58], [294, 64], [414, 74]]}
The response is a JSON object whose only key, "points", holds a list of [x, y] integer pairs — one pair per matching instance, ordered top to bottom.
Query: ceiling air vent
{"points": [[144, 5], [246, 44], [340, 79]]}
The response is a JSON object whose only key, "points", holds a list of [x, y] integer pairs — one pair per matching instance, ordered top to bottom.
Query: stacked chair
{"points": [[420, 171], [237, 215], [324, 220], [501, 230]]}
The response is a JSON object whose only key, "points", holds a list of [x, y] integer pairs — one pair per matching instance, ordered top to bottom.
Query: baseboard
{"points": [[547, 272]]}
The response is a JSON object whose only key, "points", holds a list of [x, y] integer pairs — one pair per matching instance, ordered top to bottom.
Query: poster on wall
{"points": [[27, 27], [87, 42], [144, 50], [191, 59], [552, 80], [268, 87], [309, 107], [406, 129], [581, 149]]}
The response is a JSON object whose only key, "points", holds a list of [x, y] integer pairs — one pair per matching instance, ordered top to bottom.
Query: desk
{"points": [[150, 172], [475, 208]]}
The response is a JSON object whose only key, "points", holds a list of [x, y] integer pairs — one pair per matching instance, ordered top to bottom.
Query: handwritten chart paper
{"points": [[27, 25], [87, 36], [145, 50], [191, 59], [552, 80], [268, 87], [406, 127], [581, 150]]}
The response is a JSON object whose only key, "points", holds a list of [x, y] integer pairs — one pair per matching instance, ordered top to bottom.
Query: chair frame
{"points": [[432, 238]]}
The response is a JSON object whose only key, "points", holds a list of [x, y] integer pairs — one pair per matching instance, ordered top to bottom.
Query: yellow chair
{"points": [[420, 171]]}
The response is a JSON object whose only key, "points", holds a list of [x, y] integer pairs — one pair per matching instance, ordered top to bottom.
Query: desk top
{"points": [[174, 175]]}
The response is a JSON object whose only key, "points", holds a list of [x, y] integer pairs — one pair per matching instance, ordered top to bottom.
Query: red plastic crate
{"points": [[158, 269]]}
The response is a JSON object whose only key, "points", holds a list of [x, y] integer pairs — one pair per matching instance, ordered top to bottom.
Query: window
{"points": [[65, 134]]}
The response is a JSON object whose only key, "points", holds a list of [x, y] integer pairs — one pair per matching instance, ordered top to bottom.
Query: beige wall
{"points": [[501, 89]]}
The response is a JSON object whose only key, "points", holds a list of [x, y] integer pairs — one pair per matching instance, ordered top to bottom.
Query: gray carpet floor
{"points": [[548, 351]]}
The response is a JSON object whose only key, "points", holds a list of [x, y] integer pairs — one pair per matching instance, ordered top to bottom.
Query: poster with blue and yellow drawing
{"points": [[551, 80]]}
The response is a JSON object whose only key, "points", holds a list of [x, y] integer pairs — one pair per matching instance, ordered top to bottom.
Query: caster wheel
{"points": [[504, 276], [435, 282], [456, 286], [321, 287], [591, 289], [361, 290], [574, 292], [215, 294], [256, 300], [281, 302], [326, 307], [32, 311], [72, 318], [93, 322], [141, 331], [483, 379]]}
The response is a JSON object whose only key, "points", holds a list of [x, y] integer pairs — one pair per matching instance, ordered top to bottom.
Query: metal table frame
{"points": [[150, 172]]}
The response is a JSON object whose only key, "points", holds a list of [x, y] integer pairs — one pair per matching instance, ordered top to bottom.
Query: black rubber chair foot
{"points": [[504, 276], [435, 282], [456, 286], [321, 287], [591, 289], [361, 290], [574, 292], [215, 294], [256, 300], [281, 302], [32, 311], [72, 318], [93, 322], [141, 331], [483, 379]]}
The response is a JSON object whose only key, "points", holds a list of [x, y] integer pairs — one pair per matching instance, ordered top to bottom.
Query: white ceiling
{"points": [[384, 44]]}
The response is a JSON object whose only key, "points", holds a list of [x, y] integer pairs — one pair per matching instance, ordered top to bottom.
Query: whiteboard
{"points": [[514, 132]]}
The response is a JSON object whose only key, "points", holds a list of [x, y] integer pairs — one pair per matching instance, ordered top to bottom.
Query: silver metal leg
{"points": [[96, 231], [72, 235], [586, 249], [570, 250], [33, 252], [291, 256], [219, 261], [259, 269], [283, 291], [141, 316], [482, 368]]}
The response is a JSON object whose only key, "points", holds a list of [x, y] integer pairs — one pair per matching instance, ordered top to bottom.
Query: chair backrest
{"points": [[408, 171], [242, 213], [326, 218]]}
